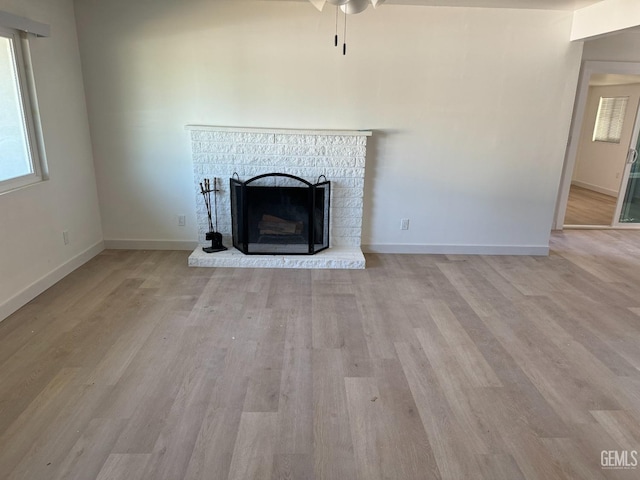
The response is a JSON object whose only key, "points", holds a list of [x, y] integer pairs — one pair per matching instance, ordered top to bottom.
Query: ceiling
{"points": [[531, 4], [535, 4]]}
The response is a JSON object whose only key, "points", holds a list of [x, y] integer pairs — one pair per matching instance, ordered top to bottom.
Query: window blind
{"points": [[610, 119]]}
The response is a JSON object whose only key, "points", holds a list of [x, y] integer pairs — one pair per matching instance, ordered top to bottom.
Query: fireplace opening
{"points": [[280, 214]]}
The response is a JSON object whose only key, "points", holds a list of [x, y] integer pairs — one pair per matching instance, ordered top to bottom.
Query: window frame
{"points": [[26, 87]]}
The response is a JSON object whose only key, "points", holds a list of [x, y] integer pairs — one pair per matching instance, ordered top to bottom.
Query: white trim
{"points": [[604, 18], [38, 29], [588, 68], [34, 106], [30, 113], [285, 131], [17, 183], [595, 188], [622, 226], [123, 244], [537, 250], [46, 281]]}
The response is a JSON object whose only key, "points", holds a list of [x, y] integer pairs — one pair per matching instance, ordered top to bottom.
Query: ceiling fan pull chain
{"points": [[336, 37], [344, 45]]}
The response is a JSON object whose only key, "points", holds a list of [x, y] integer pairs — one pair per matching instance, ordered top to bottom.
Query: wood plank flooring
{"points": [[586, 207], [419, 367]]}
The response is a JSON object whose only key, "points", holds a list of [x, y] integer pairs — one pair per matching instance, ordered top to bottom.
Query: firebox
{"points": [[280, 214]]}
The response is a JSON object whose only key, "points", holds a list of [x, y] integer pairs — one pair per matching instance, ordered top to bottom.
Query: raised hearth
{"points": [[335, 257]]}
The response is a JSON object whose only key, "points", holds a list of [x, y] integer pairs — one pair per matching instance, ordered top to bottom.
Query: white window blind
{"points": [[610, 119]]}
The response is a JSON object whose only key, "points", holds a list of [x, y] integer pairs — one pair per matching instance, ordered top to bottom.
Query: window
{"points": [[610, 119], [20, 159]]}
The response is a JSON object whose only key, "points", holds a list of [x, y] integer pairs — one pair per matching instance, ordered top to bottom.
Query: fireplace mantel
{"points": [[283, 131], [340, 155]]}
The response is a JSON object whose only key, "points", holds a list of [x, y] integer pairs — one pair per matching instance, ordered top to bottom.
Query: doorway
{"points": [[600, 185]]}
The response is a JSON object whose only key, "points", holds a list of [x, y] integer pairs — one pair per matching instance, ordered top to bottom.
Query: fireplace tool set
{"points": [[213, 234]]}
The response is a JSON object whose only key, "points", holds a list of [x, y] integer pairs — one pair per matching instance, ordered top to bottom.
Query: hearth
{"points": [[279, 213]]}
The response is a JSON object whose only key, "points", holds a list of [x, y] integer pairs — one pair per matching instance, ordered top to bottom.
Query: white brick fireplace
{"points": [[337, 154]]}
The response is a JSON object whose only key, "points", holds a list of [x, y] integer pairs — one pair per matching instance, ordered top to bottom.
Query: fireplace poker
{"points": [[206, 195], [215, 199], [213, 235]]}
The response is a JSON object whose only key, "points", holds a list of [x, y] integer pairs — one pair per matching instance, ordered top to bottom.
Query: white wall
{"points": [[470, 107], [599, 165], [32, 253]]}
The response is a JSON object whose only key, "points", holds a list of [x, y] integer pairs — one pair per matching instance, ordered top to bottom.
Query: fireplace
{"points": [[340, 155], [279, 213]]}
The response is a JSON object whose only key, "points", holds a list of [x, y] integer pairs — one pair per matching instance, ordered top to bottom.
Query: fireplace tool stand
{"points": [[212, 234]]}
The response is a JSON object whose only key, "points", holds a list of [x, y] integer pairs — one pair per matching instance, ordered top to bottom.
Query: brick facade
{"points": [[338, 155]]}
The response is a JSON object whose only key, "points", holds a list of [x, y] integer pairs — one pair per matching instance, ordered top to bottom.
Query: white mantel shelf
{"points": [[285, 131], [350, 258]]}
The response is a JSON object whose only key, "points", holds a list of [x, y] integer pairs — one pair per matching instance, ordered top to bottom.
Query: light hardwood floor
{"points": [[586, 207], [419, 367]]}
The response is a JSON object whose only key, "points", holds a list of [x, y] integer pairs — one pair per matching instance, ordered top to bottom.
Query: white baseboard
{"points": [[595, 188], [149, 244], [538, 250], [36, 288]]}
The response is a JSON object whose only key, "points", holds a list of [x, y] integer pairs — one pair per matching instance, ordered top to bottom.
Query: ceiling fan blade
{"points": [[319, 4], [354, 6]]}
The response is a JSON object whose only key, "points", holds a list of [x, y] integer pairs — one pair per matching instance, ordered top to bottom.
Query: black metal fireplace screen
{"points": [[278, 213]]}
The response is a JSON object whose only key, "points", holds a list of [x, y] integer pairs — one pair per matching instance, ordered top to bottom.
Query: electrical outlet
{"points": [[182, 220], [404, 224], [65, 237]]}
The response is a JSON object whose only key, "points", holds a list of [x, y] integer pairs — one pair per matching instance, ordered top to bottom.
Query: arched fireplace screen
{"points": [[278, 213]]}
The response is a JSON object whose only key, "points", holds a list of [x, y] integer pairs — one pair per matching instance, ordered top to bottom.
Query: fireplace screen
{"points": [[277, 213]]}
